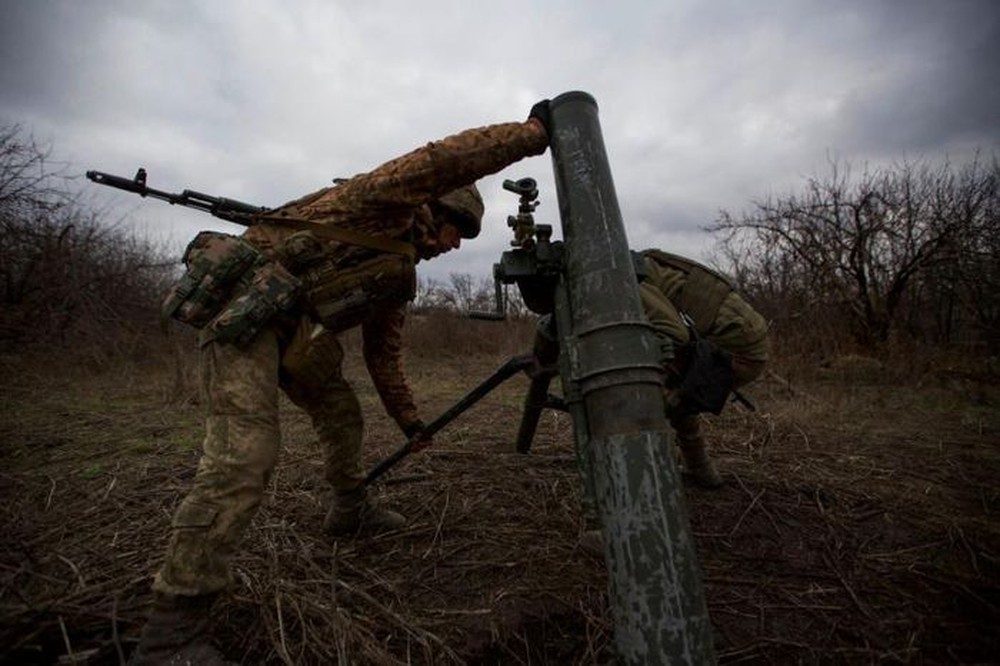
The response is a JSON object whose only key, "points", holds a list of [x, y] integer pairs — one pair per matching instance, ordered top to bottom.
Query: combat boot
{"points": [[694, 451], [700, 466], [353, 511], [176, 633]]}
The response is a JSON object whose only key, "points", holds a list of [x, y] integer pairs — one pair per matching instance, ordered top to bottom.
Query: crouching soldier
{"points": [[269, 306], [712, 343], [719, 343]]}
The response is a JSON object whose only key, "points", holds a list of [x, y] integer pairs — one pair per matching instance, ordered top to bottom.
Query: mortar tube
{"points": [[656, 592]]}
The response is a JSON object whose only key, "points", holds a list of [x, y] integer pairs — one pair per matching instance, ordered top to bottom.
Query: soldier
{"points": [[689, 304], [278, 329], [713, 343]]}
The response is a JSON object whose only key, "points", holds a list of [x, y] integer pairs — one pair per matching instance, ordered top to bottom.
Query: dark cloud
{"points": [[935, 80], [703, 105]]}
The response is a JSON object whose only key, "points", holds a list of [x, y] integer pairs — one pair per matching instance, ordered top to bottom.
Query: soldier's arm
{"points": [[433, 170], [382, 341]]}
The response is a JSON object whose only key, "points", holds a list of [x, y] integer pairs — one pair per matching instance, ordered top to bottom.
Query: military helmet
{"points": [[465, 205]]}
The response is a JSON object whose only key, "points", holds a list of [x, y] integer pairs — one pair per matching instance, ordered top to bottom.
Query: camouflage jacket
{"points": [[385, 202]]}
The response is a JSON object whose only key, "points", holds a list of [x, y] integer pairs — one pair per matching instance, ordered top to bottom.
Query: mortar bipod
{"points": [[526, 363], [538, 398]]}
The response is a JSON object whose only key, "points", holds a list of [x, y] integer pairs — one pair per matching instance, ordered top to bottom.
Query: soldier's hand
{"points": [[542, 113], [415, 434], [421, 442]]}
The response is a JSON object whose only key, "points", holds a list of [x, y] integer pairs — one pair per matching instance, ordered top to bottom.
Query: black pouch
{"points": [[708, 378]]}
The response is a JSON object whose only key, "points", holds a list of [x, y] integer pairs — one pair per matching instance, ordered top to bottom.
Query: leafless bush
{"points": [[909, 251], [67, 277], [466, 293], [442, 332]]}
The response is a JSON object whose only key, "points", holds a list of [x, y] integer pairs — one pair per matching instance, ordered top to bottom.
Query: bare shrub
{"points": [[907, 251], [69, 280]]}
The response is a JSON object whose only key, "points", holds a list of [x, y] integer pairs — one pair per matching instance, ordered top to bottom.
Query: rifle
{"points": [[230, 210], [246, 214]]}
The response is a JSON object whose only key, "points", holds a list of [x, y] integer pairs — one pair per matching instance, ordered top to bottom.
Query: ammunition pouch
{"points": [[215, 265], [229, 290], [271, 291], [341, 294]]}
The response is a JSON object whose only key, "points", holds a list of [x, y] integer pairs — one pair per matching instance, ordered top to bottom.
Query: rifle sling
{"points": [[340, 235]]}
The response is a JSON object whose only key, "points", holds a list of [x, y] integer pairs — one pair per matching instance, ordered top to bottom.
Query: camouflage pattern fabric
{"points": [[385, 200], [466, 206], [215, 263], [272, 291], [342, 295], [311, 377], [241, 383], [240, 450]]}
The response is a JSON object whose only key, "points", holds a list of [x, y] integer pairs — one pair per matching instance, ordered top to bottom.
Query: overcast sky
{"points": [[703, 104]]}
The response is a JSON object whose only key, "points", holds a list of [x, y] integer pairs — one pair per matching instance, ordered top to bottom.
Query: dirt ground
{"points": [[858, 524]]}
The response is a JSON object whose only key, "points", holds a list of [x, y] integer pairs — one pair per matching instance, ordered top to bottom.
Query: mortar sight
{"points": [[525, 187]]}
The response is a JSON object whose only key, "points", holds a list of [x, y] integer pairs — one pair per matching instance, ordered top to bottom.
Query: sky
{"points": [[704, 105]]}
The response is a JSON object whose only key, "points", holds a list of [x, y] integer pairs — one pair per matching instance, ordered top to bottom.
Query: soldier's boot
{"points": [[694, 451], [699, 465], [352, 512], [177, 633]]}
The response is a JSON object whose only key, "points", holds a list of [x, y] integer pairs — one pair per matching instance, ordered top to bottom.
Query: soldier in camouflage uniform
{"points": [[426, 198], [675, 285], [677, 295]]}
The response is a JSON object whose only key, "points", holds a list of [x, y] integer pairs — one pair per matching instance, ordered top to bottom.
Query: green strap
{"points": [[340, 235]]}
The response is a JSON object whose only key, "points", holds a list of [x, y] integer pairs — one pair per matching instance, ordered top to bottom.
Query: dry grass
{"points": [[858, 525]]}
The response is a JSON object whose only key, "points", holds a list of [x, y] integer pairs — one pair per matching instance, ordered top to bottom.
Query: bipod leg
{"points": [[546, 351], [505, 372]]}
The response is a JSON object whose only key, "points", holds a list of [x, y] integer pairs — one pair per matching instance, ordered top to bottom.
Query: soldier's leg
{"points": [[746, 370], [312, 379], [240, 389], [694, 450]]}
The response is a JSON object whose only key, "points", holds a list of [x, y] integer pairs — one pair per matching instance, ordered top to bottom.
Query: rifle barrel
{"points": [[230, 210]]}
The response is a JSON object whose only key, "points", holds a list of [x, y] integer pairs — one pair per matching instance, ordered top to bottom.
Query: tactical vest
{"points": [[231, 290], [703, 291], [341, 292], [342, 296]]}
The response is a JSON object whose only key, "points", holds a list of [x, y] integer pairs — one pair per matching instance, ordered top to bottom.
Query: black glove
{"points": [[543, 113], [413, 428], [417, 442]]}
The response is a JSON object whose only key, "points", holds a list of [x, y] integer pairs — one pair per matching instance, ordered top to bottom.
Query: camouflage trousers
{"points": [[240, 389]]}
